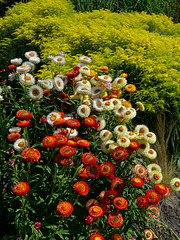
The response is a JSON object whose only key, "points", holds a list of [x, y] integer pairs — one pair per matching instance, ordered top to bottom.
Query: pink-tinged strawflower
{"points": [[49, 142], [120, 153], [31, 155], [88, 159], [107, 168], [93, 170], [140, 171], [137, 182], [117, 184], [81, 187], [21, 188], [153, 196], [142, 201], [65, 208], [154, 209], [95, 211], [89, 219], [115, 219], [37, 225], [149, 234]]}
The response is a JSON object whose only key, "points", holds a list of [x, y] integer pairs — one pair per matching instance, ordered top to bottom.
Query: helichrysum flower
{"points": [[30, 54], [35, 60], [59, 60], [85, 60], [16, 61], [84, 70], [105, 78], [27, 79], [120, 82], [46, 84], [58, 84], [83, 90], [35, 92], [97, 92], [116, 102], [98, 104], [108, 105], [83, 111], [120, 111], [52, 117], [120, 130], [105, 135], [123, 142], [20, 144], [105, 146], [143, 146], [150, 153], [31, 155], [153, 167], [140, 171], [155, 177], [117, 184], [175, 184], [81, 187], [21, 188], [120, 203], [65, 208], [154, 209], [95, 211], [115, 219], [149, 234]]}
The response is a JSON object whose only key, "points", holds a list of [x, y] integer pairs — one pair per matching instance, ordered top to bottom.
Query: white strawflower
{"points": [[30, 54], [50, 57], [35, 60], [59, 60], [85, 60], [16, 61], [30, 64], [23, 69], [84, 70], [11, 76], [105, 78], [27, 79], [120, 82], [84, 83], [46, 84], [58, 84], [0, 90], [83, 90], [35, 92], [97, 92], [1, 98], [98, 104], [108, 105], [83, 111], [120, 111], [52, 117], [15, 129], [120, 131], [72, 133], [105, 135], [123, 142], [20, 144], [106, 146], [151, 154], [153, 167], [155, 177]]}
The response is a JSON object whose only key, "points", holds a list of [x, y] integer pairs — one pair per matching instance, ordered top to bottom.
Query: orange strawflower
{"points": [[104, 68], [130, 88], [23, 115], [90, 121], [59, 122], [23, 123], [73, 123], [13, 136], [61, 139], [49, 142], [83, 143], [67, 151], [31, 155], [82, 173], [137, 182], [81, 187], [21, 188], [90, 203], [120, 203], [105, 207], [65, 208], [95, 211], [115, 219], [97, 236], [116, 236]]}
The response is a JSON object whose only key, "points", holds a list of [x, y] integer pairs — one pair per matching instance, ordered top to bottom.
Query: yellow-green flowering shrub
{"points": [[145, 46]]}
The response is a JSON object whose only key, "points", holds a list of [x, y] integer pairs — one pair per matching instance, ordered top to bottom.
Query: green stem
{"points": [[29, 171]]}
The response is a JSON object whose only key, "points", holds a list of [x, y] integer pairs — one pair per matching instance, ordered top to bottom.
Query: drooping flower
{"points": [[35, 92], [140, 105], [23, 115], [90, 121], [23, 123], [73, 123], [15, 129], [13, 136], [150, 137], [49, 141], [67, 151], [119, 153], [31, 155], [88, 158], [11, 163], [107, 168], [93, 170], [140, 171], [82, 173], [137, 182], [117, 184], [175, 184], [81, 187], [21, 188], [109, 196], [153, 196], [142, 201], [120, 203], [65, 208], [153, 208], [95, 211], [89, 219], [115, 219], [149, 234], [97, 236], [115, 236]]}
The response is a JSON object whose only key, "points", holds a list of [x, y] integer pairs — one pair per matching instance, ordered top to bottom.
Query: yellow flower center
{"points": [[59, 59], [22, 66], [106, 77], [28, 78], [59, 83], [107, 103], [53, 117], [72, 131], [106, 133], [149, 134], [123, 140], [151, 151], [31, 153], [95, 209]]}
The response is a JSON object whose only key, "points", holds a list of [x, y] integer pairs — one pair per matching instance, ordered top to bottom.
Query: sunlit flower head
{"points": [[30, 54], [35, 60], [59, 60], [85, 60], [16, 61], [23, 69], [85, 70], [105, 78], [27, 79], [120, 82], [46, 84], [58, 84], [130, 88], [35, 92], [97, 92], [116, 102], [98, 104], [108, 105], [83, 111], [120, 111], [23, 115], [52, 117], [90, 121], [23, 123], [73, 123], [120, 130], [71, 133], [105, 135], [13, 136], [150, 137], [49, 141], [123, 142], [83, 143], [20, 144], [105, 146], [150, 153], [31, 155], [140, 171], [137, 182], [175, 184], [81, 187], [21, 188], [160, 188], [168, 191], [153, 196], [142, 201], [120, 203], [65, 208], [154, 209], [95, 211], [115, 219], [149, 234], [97, 236]]}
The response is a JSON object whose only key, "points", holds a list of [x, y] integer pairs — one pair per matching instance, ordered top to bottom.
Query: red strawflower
{"points": [[11, 67], [46, 92], [23, 115], [43, 119], [90, 121], [59, 122], [23, 123], [73, 123], [13, 136], [61, 139], [49, 142], [71, 143], [83, 143], [134, 145], [67, 151], [119, 153], [31, 155], [60, 159], [88, 159], [107, 168], [93, 170], [82, 173], [137, 182], [117, 184], [21, 188], [82, 188], [160, 188], [168, 191], [109, 196], [153, 196], [142, 201], [91, 202], [120, 203], [105, 207], [65, 208], [154, 209], [95, 211], [89, 219], [115, 219], [37, 225], [97, 236], [115, 236]]}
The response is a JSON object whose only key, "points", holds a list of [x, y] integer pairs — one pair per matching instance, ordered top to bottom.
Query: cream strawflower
{"points": [[30, 54], [35, 60], [59, 60], [85, 60], [16, 61], [30, 64], [23, 69], [84, 70], [78, 77], [64, 78], [105, 78], [27, 79], [95, 81], [120, 82], [84, 83], [46, 84], [58, 84], [0, 90], [83, 90], [35, 92], [97, 92], [1, 98], [116, 102], [98, 104], [108, 105], [140, 106], [83, 111], [120, 111], [130, 113], [52, 117], [101, 122], [15, 129], [141, 129], [120, 131], [72, 133], [105, 135], [130, 135], [150, 137], [123, 142], [20, 144], [106, 146], [113, 146], [144, 146], [151, 154], [153, 167], [155, 177], [175, 184]]}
